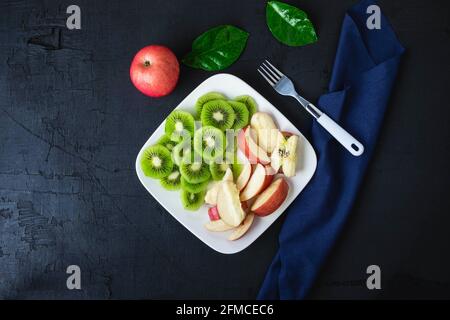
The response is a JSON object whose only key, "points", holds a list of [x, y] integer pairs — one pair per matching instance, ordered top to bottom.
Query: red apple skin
{"points": [[154, 71], [286, 134], [242, 144], [244, 147], [244, 177], [269, 177], [248, 193], [271, 199], [213, 214]]}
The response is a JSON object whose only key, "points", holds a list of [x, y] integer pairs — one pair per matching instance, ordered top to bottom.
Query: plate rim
{"points": [[144, 146]]}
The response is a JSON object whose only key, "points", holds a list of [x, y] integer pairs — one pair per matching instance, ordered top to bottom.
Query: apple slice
{"points": [[266, 130], [248, 145], [284, 155], [290, 161], [245, 175], [228, 176], [259, 180], [211, 194], [272, 198], [229, 205], [213, 214], [218, 226], [243, 228]]}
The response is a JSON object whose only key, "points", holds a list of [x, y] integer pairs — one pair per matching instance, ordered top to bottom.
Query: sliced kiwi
{"points": [[205, 98], [250, 104], [219, 114], [242, 114], [180, 125], [166, 142], [209, 142], [180, 151], [156, 162], [237, 169], [218, 170], [195, 172], [172, 181], [193, 187], [192, 201]]}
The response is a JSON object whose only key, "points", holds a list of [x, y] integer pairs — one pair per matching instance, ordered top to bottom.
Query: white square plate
{"points": [[231, 86]]}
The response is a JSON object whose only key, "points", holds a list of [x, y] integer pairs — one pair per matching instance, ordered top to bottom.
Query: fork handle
{"points": [[344, 138]]}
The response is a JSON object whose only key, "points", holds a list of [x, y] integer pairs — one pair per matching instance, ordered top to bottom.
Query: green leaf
{"points": [[289, 25], [217, 48]]}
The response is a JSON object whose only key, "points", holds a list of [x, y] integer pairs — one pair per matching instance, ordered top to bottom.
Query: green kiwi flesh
{"points": [[205, 98], [249, 102], [219, 114], [242, 114], [179, 125], [166, 142], [209, 142], [156, 162], [218, 170], [195, 172], [172, 181], [193, 187], [192, 201]]}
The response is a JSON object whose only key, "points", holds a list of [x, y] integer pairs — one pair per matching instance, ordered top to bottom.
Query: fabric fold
{"points": [[364, 73]]}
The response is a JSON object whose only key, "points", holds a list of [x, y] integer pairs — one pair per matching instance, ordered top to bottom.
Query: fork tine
{"points": [[264, 68], [278, 71], [276, 76], [267, 79]]}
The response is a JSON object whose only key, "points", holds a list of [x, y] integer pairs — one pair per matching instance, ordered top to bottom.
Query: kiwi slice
{"points": [[205, 98], [249, 103], [219, 114], [242, 114], [179, 125], [166, 142], [209, 142], [180, 151], [156, 162], [237, 169], [218, 170], [195, 172], [172, 181], [193, 187], [192, 201]]}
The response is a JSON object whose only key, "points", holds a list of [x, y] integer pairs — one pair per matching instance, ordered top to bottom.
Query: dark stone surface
{"points": [[71, 125]]}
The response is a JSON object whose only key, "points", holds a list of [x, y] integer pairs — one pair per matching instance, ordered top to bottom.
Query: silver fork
{"points": [[284, 86]]}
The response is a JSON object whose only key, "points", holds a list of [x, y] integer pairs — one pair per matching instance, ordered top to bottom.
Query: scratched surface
{"points": [[71, 125]]}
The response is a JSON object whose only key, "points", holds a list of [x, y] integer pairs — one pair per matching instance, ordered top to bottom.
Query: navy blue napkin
{"points": [[363, 75]]}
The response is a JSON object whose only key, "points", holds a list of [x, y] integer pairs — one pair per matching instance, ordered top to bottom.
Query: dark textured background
{"points": [[71, 125]]}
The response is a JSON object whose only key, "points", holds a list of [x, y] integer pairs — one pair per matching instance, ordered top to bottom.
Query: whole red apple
{"points": [[155, 70]]}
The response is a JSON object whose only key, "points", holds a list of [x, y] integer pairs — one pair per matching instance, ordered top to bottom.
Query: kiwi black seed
{"points": [[205, 98], [250, 104], [219, 114], [242, 114], [180, 125], [166, 142], [209, 142], [156, 162], [218, 170], [195, 172], [172, 181], [193, 187], [192, 201]]}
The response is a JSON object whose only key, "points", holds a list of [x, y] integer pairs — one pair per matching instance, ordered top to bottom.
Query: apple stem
{"points": [[147, 63]]}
